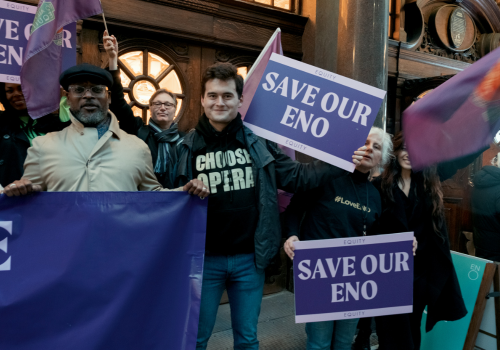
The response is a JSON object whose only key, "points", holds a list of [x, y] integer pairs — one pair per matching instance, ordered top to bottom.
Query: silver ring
{"points": [[12, 185], [204, 188]]}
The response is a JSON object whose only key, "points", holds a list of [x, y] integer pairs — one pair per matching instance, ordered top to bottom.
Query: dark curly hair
{"points": [[224, 72], [391, 177]]}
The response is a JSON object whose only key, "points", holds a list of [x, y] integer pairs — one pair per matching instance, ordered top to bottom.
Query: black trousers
{"points": [[402, 332]]}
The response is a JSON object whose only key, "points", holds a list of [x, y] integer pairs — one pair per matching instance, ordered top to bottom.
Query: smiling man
{"points": [[162, 133], [93, 153], [243, 173]]}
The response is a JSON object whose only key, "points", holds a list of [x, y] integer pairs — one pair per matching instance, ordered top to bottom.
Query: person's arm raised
{"points": [[119, 106]]}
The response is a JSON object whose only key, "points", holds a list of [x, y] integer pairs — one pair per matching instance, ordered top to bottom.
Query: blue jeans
{"points": [[244, 284], [319, 334]]}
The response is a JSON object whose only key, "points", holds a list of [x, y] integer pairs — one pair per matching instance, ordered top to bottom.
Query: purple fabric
{"points": [[43, 58], [456, 119]]}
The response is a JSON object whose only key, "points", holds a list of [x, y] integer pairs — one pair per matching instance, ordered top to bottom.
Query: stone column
{"points": [[362, 44]]}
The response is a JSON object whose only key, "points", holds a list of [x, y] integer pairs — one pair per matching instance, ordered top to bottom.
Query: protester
{"points": [[17, 131], [162, 134], [93, 154], [243, 174], [413, 201], [486, 211], [322, 214]]}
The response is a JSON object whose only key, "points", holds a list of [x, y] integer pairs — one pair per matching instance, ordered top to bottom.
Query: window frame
{"points": [[292, 5], [150, 46]]}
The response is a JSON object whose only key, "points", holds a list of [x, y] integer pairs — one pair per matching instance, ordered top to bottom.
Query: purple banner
{"points": [[15, 27], [313, 111], [101, 270], [357, 277]]}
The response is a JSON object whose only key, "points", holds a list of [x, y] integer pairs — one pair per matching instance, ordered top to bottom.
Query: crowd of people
{"points": [[95, 143]]}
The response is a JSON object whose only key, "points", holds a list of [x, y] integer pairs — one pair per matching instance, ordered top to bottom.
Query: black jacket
{"points": [[135, 125], [14, 143], [272, 169], [334, 210], [486, 213], [445, 300]]}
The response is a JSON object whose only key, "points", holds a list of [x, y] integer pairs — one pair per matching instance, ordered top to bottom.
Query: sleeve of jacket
{"points": [[123, 112], [32, 170], [446, 170], [293, 176], [149, 181], [296, 210]]}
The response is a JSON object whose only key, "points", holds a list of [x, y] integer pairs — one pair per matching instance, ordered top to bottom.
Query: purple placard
{"points": [[15, 26], [313, 111], [337, 279]]}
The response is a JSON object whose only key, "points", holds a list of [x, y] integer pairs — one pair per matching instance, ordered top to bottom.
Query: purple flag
{"points": [[43, 58], [253, 77], [458, 118]]}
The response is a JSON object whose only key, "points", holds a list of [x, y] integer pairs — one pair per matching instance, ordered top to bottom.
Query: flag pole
{"points": [[104, 19]]}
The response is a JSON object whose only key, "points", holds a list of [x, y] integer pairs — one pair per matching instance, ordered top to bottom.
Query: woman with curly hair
{"points": [[413, 201]]}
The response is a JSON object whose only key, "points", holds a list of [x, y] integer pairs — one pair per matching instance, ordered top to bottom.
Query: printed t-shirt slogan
{"points": [[313, 111]]}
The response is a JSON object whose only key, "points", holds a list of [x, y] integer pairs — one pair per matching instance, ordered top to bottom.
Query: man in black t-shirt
{"points": [[243, 173]]}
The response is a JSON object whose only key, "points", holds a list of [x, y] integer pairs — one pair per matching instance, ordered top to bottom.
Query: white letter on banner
{"points": [[1, 22], [9, 29], [27, 31], [66, 39], [3, 53], [13, 54], [270, 81], [295, 85], [284, 87], [309, 94], [335, 102], [342, 108], [361, 114], [288, 115], [303, 121], [314, 127], [6, 225], [401, 261], [382, 263], [348, 266], [302, 267], [364, 267], [333, 268], [319, 269], [350, 290], [336, 292], [364, 292]]}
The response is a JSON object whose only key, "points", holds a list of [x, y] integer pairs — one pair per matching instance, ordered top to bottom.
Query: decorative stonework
{"points": [[429, 45], [236, 57]]}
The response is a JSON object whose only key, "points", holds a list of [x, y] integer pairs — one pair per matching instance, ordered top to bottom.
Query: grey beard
{"points": [[91, 120]]}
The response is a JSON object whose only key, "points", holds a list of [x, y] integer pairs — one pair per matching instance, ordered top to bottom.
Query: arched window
{"points": [[142, 73]]}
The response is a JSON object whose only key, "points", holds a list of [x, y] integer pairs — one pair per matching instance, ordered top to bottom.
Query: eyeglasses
{"points": [[96, 90], [157, 105]]}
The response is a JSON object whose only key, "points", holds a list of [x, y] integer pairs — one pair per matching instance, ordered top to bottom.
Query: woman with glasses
{"points": [[17, 130], [161, 134]]}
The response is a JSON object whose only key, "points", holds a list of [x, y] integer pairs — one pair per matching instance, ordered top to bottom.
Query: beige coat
{"points": [[74, 159]]}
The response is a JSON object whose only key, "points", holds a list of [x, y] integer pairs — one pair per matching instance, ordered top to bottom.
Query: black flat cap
{"points": [[84, 72]]}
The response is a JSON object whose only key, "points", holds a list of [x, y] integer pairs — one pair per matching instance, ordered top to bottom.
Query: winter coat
{"points": [[135, 125], [272, 169], [486, 213], [444, 299]]}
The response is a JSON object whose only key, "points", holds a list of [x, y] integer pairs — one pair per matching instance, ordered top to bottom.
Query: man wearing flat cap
{"points": [[92, 154]]}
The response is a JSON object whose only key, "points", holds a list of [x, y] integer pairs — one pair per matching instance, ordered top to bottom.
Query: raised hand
{"points": [[111, 47]]}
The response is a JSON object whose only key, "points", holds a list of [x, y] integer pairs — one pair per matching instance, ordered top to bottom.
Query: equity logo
{"points": [[44, 14], [6, 225]]}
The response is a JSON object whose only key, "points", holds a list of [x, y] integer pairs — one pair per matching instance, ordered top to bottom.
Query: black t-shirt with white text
{"points": [[225, 167]]}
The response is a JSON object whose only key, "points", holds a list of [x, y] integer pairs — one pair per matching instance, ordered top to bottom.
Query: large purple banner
{"points": [[15, 27], [313, 111], [101, 270], [343, 278]]}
